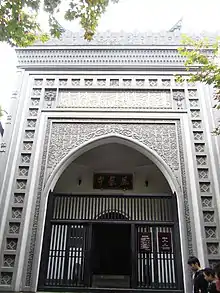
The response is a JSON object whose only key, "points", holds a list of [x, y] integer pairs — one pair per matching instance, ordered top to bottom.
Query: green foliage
{"points": [[19, 25], [202, 55]]}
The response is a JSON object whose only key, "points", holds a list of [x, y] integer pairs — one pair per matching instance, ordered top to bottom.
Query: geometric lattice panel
{"points": [[38, 82], [50, 82], [63, 82], [76, 82], [100, 82], [114, 82], [36, 92], [195, 113], [31, 123], [197, 124], [29, 134], [198, 135], [27, 146], [199, 147], [25, 158], [201, 160], [23, 171], [203, 173], [21, 184], [204, 187], [19, 198], [207, 202], [16, 213], [208, 216], [14, 228], [210, 232], [11, 243], [213, 248], [9, 260], [6, 278]]}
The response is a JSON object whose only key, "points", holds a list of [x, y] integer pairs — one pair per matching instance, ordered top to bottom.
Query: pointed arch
{"points": [[129, 142]]}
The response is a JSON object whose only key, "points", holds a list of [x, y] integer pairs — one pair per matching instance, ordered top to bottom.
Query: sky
{"points": [[127, 15]]}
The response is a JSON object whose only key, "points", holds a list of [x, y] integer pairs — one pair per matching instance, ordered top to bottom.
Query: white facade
{"points": [[76, 102]]}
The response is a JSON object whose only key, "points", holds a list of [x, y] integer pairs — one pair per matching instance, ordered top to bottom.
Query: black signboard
{"points": [[113, 181], [145, 243], [165, 243]]}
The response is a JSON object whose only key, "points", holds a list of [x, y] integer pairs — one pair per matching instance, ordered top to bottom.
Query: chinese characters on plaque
{"points": [[113, 181], [165, 243], [145, 244]]}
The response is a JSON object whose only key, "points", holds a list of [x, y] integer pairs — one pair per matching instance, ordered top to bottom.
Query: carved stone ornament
{"points": [[115, 100], [159, 137]]}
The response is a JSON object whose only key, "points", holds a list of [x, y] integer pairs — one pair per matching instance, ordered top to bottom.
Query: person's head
{"points": [[194, 263], [217, 271], [209, 274]]}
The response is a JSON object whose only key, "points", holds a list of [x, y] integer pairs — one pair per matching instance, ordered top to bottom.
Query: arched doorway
{"points": [[139, 222]]}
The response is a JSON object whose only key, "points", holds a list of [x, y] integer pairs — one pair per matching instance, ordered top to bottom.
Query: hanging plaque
{"points": [[113, 181], [145, 243], [165, 243]]}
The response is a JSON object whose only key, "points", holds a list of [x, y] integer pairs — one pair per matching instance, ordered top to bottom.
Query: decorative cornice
{"points": [[108, 38]]}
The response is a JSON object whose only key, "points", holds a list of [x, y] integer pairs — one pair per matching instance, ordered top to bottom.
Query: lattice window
{"points": [[38, 82], [50, 82], [63, 82], [75, 82], [88, 82], [101, 82], [114, 82], [127, 82], [140, 82], [152, 82], [166, 82], [180, 84], [36, 92], [192, 93], [50, 95], [35, 102], [194, 103], [33, 112], [195, 113], [31, 123], [197, 124], [29, 134], [198, 135], [27, 146], [199, 147], [25, 159], [201, 160], [23, 171], [203, 173], [21, 184], [204, 186], [19, 198], [16, 213], [208, 216], [14, 228], [210, 232], [11, 243], [213, 248], [9, 260], [213, 263], [6, 278]]}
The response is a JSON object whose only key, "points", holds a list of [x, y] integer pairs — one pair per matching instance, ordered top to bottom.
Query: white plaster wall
{"points": [[68, 182]]}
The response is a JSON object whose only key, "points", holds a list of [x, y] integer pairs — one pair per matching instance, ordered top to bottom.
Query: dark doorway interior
{"points": [[111, 249]]}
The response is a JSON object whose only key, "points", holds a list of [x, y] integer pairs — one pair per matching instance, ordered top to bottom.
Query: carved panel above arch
{"points": [[160, 137]]}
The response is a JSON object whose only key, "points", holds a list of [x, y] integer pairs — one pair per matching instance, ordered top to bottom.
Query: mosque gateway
{"points": [[109, 171]]}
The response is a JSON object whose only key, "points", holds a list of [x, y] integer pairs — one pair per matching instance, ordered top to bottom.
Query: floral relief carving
{"points": [[159, 137]]}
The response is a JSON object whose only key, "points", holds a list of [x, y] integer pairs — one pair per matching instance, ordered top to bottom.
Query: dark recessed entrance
{"points": [[138, 251], [111, 254]]}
